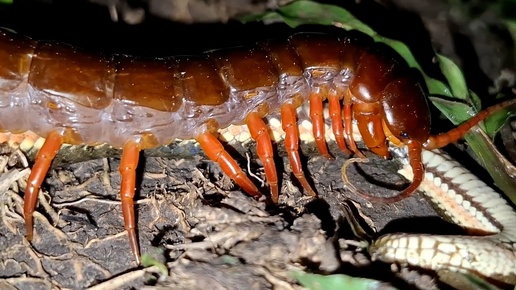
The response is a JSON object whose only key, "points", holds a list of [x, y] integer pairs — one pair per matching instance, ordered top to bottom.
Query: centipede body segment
{"points": [[133, 103]]}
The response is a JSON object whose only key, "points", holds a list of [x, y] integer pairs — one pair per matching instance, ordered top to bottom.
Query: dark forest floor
{"points": [[190, 217]]}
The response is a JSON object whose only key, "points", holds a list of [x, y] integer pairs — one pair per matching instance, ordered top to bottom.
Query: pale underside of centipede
{"points": [[74, 97]]}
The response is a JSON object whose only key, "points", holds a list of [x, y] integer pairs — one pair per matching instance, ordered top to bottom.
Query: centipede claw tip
{"points": [[318, 130], [260, 134], [216, 152], [128, 164], [38, 173], [275, 194], [29, 228], [133, 243]]}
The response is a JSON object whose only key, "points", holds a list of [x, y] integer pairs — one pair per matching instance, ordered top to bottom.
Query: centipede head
{"points": [[406, 118]]}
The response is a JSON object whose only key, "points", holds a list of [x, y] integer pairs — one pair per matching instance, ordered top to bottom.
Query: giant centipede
{"points": [[135, 103]]}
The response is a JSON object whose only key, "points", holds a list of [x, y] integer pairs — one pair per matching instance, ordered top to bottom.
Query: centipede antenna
{"points": [[443, 139]]}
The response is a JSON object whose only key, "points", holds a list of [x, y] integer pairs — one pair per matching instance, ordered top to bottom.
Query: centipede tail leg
{"points": [[316, 115], [336, 122], [348, 124], [289, 125], [372, 130], [264, 150], [415, 150], [216, 152], [44, 159], [128, 164]]}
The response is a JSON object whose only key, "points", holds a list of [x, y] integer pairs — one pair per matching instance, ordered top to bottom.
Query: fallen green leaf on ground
{"points": [[338, 281]]}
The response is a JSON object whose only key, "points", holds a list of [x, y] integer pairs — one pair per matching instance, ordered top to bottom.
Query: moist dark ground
{"points": [[207, 232]]}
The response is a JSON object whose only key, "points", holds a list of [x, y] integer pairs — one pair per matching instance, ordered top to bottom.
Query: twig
{"points": [[250, 172], [99, 200], [124, 279]]}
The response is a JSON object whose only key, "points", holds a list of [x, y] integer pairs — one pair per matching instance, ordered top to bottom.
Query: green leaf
{"points": [[6, 1], [308, 12], [267, 17], [511, 27], [454, 76], [477, 104], [455, 111], [496, 121], [485, 152], [148, 260], [230, 260], [321, 282], [479, 283]]}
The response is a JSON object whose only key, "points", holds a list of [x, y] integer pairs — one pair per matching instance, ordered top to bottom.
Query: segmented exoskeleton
{"points": [[75, 97]]}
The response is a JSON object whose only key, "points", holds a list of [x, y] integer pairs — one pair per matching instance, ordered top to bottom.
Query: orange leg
{"points": [[316, 115], [336, 122], [289, 125], [348, 125], [371, 129], [264, 150], [216, 152], [46, 154], [128, 164]]}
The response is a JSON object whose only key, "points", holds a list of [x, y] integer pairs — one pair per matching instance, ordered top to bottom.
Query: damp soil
{"points": [[192, 219], [206, 232]]}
